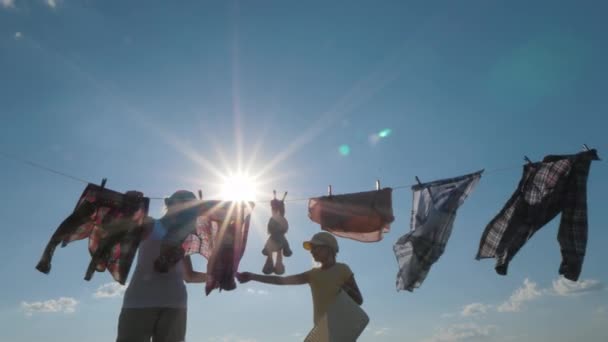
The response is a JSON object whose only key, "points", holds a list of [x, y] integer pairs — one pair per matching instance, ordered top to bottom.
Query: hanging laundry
{"points": [[557, 184], [433, 213], [362, 216], [114, 224], [219, 233], [277, 242]]}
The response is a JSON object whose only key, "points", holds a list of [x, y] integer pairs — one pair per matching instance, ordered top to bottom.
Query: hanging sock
{"points": [[557, 184], [433, 214], [362, 216], [113, 222], [218, 231]]}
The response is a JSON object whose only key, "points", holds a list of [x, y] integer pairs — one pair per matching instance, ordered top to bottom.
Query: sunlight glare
{"points": [[239, 187]]}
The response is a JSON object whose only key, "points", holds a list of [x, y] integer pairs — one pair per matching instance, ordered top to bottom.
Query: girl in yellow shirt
{"points": [[325, 282]]}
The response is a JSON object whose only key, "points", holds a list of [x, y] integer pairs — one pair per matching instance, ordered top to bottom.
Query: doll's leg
{"points": [[286, 250], [268, 266], [279, 268]]}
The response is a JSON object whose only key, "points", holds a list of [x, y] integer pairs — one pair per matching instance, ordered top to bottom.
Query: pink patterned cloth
{"points": [[114, 224], [220, 235]]}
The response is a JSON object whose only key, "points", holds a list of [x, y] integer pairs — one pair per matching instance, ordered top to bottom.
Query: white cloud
{"points": [[7, 3], [51, 3], [18, 35], [565, 287], [110, 290], [259, 292], [523, 294], [63, 304], [475, 309], [382, 331], [463, 332]]}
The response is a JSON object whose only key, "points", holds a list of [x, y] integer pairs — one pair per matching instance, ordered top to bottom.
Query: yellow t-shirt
{"points": [[325, 285]]}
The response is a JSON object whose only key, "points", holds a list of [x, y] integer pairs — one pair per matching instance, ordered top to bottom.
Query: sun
{"points": [[239, 187]]}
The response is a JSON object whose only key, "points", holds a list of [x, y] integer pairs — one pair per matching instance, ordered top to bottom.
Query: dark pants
{"points": [[157, 324]]}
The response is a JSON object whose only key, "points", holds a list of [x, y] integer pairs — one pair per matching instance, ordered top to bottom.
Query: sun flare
{"points": [[239, 187]]}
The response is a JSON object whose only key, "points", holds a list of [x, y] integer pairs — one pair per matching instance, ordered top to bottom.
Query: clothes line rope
{"points": [[42, 167], [69, 176]]}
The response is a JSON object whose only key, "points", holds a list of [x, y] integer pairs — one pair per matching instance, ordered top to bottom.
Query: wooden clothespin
{"points": [[586, 148], [377, 184], [427, 188], [329, 190], [284, 195]]}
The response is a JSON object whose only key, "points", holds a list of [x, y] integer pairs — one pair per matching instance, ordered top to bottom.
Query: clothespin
{"points": [[588, 149], [527, 160], [103, 183], [377, 184], [427, 188], [329, 190], [200, 194], [274, 194], [284, 195]]}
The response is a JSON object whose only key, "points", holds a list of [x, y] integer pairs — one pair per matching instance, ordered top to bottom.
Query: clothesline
{"points": [[69, 176]]}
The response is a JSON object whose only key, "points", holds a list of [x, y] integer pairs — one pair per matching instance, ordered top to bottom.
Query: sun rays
{"points": [[239, 187]]}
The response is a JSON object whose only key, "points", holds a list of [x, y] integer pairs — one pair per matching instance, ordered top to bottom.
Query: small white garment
{"points": [[433, 213], [344, 321]]}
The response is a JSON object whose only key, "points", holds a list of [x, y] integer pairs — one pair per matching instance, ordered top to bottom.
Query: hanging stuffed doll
{"points": [[277, 242]]}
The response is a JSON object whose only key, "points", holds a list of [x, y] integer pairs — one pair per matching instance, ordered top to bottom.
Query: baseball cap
{"points": [[322, 239]]}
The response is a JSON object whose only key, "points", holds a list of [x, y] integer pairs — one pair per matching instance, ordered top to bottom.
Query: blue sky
{"points": [[158, 96]]}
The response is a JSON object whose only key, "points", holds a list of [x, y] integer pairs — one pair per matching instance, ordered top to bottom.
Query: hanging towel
{"points": [[557, 184], [433, 214], [362, 216], [113, 222], [219, 233]]}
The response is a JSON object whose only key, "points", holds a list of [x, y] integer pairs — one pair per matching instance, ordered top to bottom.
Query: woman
{"points": [[155, 304]]}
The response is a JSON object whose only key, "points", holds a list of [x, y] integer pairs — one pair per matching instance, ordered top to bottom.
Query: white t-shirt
{"points": [[149, 288]]}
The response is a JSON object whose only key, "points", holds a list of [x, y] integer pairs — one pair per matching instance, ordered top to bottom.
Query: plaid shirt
{"points": [[557, 184], [433, 214], [113, 223], [219, 234]]}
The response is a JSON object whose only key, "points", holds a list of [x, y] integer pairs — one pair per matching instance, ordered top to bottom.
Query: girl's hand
{"points": [[243, 277]]}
